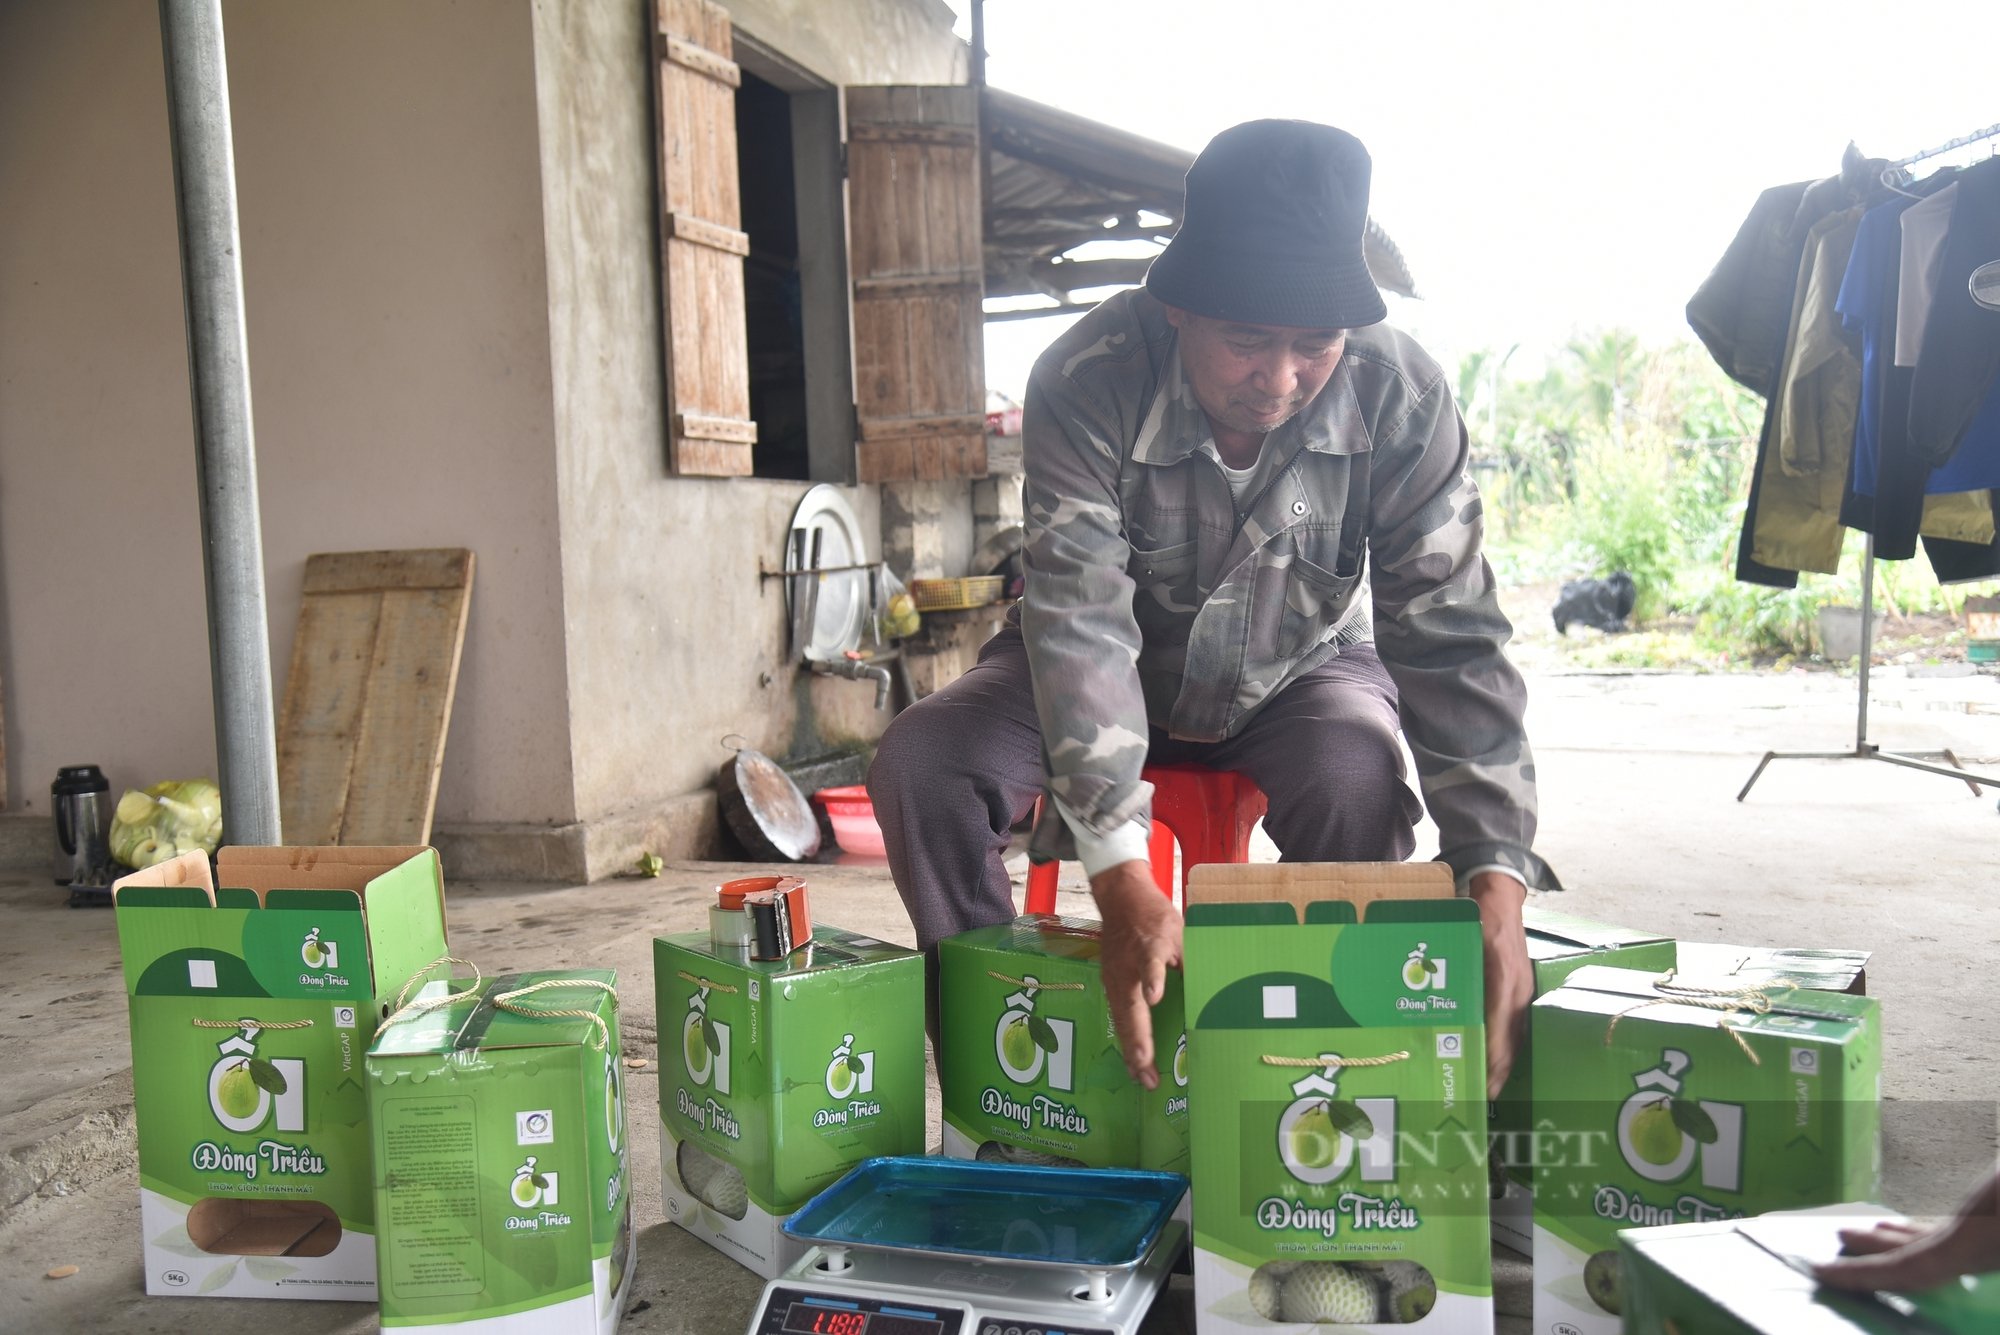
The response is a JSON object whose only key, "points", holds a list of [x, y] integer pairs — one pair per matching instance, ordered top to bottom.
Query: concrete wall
{"points": [[388, 191], [452, 291], [673, 641]]}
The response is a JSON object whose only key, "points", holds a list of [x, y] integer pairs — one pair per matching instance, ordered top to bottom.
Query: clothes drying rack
{"points": [[1864, 749]]}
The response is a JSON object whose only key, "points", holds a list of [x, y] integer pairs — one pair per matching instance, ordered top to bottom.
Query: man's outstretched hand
{"points": [[1141, 941], [1510, 977], [1906, 1258]]}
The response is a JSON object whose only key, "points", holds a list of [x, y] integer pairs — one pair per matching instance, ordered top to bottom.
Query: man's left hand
{"points": [[1510, 978]]}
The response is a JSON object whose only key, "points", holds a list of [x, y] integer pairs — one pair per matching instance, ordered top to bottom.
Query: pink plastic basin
{"points": [[853, 818]]}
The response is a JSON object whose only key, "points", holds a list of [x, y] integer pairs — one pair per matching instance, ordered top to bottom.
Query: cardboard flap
{"points": [[264, 869], [189, 870], [1301, 883], [315, 901], [1582, 933], [1803, 1003]]}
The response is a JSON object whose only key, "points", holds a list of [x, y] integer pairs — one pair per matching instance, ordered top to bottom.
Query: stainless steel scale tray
{"points": [[1009, 1214]]}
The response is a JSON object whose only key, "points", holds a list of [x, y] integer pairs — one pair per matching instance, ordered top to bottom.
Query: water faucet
{"points": [[858, 669]]}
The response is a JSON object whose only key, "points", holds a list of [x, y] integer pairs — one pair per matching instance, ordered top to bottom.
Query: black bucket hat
{"points": [[1272, 230]]}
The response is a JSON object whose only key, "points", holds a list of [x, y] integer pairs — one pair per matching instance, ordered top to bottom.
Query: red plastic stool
{"points": [[1210, 811]]}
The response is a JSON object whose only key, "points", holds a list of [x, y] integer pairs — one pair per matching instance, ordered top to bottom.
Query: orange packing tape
{"points": [[729, 894], [779, 921]]}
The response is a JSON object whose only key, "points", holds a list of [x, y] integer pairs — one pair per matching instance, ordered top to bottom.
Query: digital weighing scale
{"points": [[950, 1247]]}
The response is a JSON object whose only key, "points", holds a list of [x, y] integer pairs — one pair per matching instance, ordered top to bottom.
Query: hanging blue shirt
{"points": [[1867, 306]]}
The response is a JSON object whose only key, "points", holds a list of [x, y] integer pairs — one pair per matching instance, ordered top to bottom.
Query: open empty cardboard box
{"points": [[252, 1006]]}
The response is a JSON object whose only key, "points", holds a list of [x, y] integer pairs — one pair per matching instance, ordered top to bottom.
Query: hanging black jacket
{"points": [[1960, 357]]}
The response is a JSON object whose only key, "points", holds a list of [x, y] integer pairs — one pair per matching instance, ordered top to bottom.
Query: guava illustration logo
{"points": [[319, 954], [1421, 973], [1028, 1044], [705, 1045], [1180, 1061], [850, 1073], [245, 1090], [614, 1101], [1661, 1133], [1321, 1135], [532, 1190]]}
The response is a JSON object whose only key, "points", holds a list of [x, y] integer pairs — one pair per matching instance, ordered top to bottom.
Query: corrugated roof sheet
{"points": [[1059, 180]]}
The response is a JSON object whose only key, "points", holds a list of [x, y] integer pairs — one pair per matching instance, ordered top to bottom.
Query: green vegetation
{"points": [[1621, 457]]}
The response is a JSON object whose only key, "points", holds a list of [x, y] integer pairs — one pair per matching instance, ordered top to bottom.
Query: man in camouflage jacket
{"points": [[1225, 473]]}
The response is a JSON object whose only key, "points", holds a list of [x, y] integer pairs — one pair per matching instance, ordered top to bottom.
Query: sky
{"points": [[1547, 168]]}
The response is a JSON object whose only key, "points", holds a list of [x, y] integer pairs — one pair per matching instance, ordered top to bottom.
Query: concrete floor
{"points": [[1639, 780]]}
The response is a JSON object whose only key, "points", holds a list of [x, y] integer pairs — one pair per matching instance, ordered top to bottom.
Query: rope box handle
{"points": [[1034, 986], [1741, 1001], [510, 1002], [406, 1009], [1321, 1063]]}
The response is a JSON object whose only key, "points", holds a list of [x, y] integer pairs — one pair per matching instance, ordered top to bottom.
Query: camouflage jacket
{"points": [[1151, 600]]}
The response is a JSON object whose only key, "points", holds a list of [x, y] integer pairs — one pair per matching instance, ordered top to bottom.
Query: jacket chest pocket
{"points": [[1166, 592], [1294, 606]]}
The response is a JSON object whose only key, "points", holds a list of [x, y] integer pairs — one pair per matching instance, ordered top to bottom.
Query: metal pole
{"points": [[979, 109], [225, 450], [1861, 746]]}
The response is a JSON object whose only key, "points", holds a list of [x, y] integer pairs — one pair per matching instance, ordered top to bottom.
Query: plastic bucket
{"points": [[853, 818]]}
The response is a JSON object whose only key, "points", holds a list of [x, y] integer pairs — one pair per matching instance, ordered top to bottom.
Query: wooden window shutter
{"points": [[702, 244], [916, 255]]}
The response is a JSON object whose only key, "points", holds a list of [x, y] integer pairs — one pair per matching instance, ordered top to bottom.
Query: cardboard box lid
{"points": [[262, 870], [1301, 883], [398, 892], [1564, 929], [1059, 938], [831, 948], [1765, 966], [1604, 990], [487, 1019], [1736, 1265]]}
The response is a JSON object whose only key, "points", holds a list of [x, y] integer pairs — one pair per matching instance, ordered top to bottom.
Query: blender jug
{"points": [[81, 800]]}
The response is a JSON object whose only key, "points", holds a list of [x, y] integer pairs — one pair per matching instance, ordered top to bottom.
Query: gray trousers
{"points": [[960, 768]]}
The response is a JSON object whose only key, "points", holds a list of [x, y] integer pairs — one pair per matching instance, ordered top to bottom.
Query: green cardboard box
{"points": [[1558, 945], [1777, 967], [251, 1009], [1030, 1066], [777, 1076], [1676, 1102], [1339, 1151], [501, 1187], [1727, 1278]]}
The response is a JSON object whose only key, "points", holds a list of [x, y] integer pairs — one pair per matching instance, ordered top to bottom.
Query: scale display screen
{"points": [[813, 1319]]}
